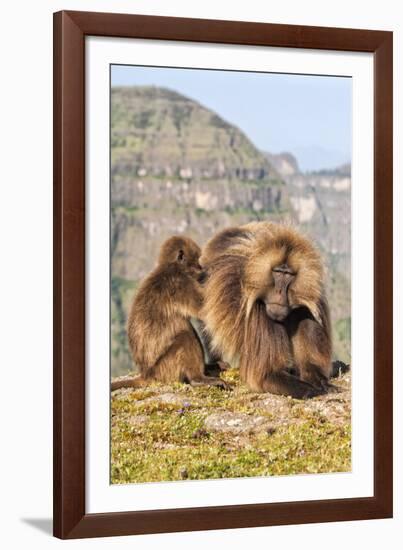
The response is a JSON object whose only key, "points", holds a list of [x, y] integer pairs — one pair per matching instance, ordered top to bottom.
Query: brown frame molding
{"points": [[70, 30]]}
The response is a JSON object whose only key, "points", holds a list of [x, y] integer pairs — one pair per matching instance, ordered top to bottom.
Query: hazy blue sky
{"points": [[309, 116]]}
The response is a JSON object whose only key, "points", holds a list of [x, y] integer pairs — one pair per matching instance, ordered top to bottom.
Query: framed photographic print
{"points": [[222, 272]]}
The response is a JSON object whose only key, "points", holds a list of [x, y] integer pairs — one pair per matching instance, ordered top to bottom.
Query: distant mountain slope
{"points": [[158, 131], [285, 163]]}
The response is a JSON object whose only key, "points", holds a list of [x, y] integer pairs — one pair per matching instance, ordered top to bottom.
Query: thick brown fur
{"points": [[265, 307], [162, 340]]}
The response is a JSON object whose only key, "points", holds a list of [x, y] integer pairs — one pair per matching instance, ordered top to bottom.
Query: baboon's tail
{"points": [[134, 382]]}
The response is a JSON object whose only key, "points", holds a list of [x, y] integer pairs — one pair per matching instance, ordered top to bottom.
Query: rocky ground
{"points": [[167, 433]]}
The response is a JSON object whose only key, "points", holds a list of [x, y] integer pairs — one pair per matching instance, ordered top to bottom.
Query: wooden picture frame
{"points": [[70, 517]]}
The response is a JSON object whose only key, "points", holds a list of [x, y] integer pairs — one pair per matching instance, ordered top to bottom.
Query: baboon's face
{"points": [[183, 252], [188, 257], [277, 298]]}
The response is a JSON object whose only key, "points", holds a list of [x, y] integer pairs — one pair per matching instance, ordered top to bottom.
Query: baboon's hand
{"points": [[223, 365], [215, 369], [225, 385], [331, 388]]}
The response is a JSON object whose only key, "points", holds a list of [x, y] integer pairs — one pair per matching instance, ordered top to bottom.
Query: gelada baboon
{"points": [[265, 306], [162, 340]]}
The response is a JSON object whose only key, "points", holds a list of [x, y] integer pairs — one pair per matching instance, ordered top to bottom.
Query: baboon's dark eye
{"points": [[181, 255], [283, 269]]}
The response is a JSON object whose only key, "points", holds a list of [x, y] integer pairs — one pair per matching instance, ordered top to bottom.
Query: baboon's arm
{"points": [[188, 298], [284, 383]]}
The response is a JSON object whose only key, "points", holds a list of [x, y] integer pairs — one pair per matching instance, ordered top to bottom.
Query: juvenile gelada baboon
{"points": [[265, 306], [163, 342]]}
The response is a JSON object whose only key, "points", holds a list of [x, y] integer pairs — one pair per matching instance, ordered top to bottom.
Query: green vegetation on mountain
{"points": [[160, 132]]}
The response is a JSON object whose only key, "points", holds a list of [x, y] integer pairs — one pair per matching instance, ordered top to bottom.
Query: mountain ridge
{"points": [[169, 135]]}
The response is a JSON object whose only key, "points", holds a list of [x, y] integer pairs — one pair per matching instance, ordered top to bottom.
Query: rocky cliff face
{"points": [[158, 132], [285, 163], [178, 168], [321, 203]]}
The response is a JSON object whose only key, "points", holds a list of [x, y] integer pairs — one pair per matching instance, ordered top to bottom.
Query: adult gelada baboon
{"points": [[265, 306], [162, 340]]}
